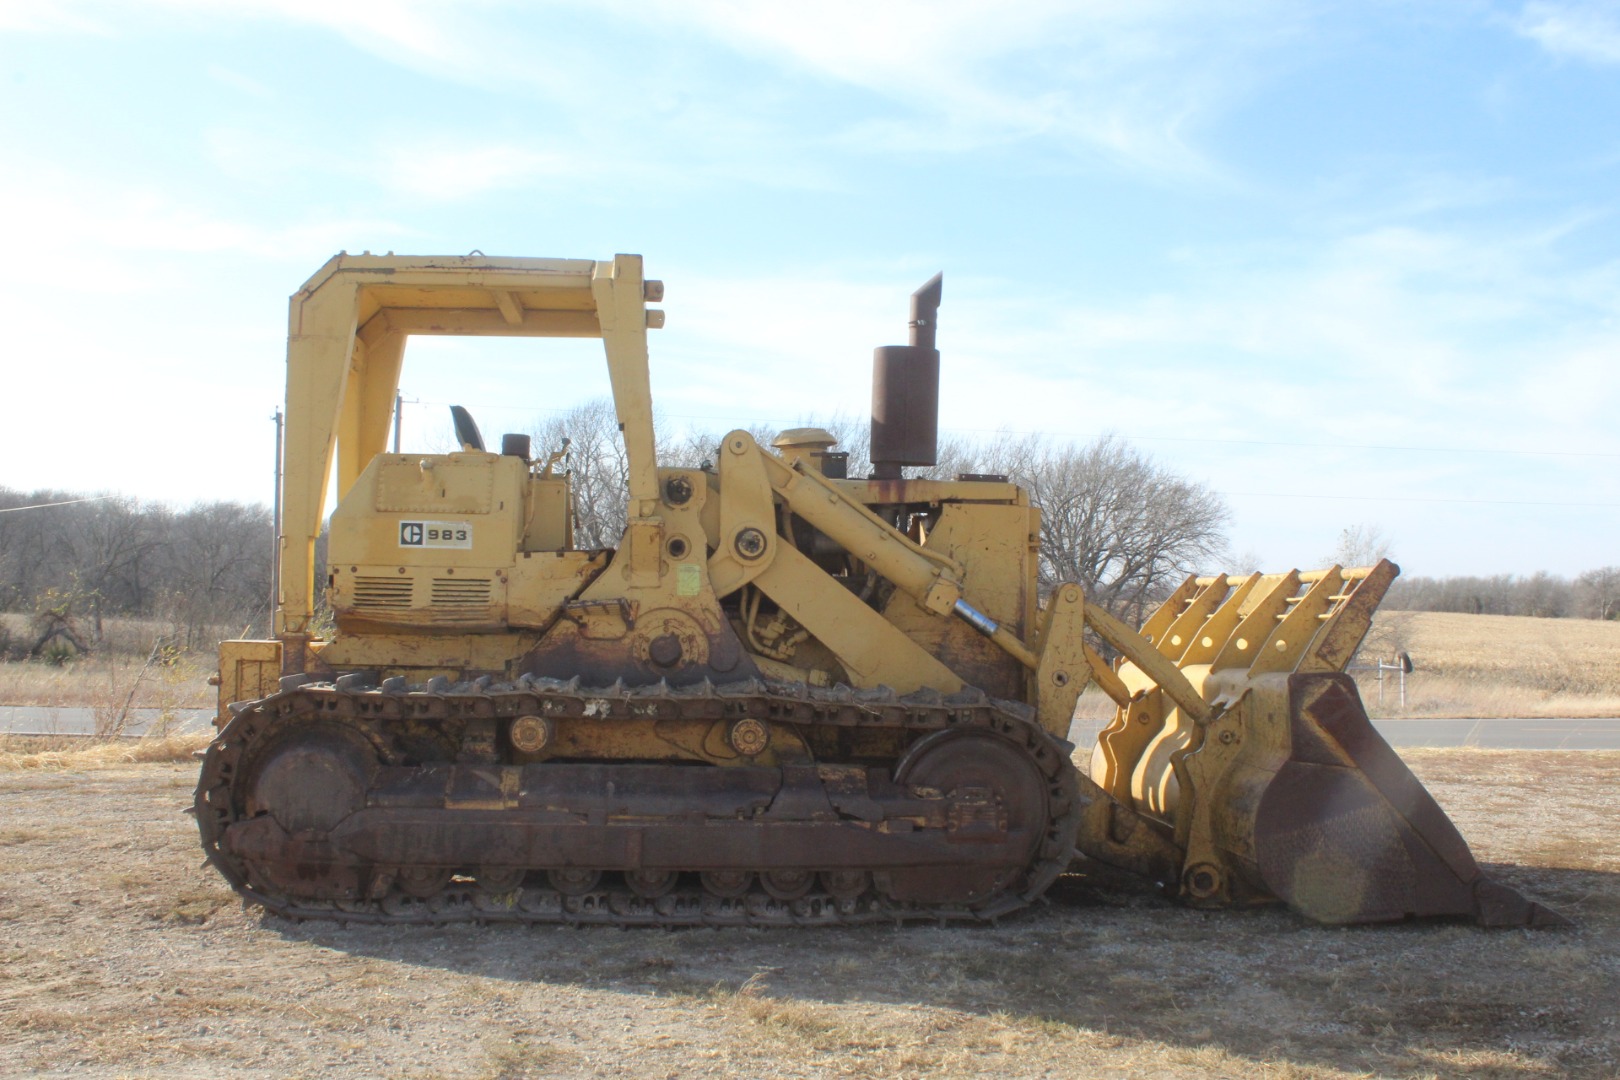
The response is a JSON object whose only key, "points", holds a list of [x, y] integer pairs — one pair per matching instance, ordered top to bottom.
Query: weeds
{"points": [[20, 753], [520, 1059]]}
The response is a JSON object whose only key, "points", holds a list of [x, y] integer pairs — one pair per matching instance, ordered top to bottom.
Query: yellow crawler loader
{"points": [[788, 697]]}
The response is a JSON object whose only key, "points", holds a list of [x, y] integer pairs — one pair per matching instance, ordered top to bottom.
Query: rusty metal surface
{"points": [[905, 391], [905, 408], [975, 821], [1346, 834]]}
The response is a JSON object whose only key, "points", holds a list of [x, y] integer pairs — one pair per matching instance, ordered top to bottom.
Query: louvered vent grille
{"points": [[382, 593], [460, 598]]}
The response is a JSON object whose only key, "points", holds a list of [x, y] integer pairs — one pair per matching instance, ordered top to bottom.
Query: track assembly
{"points": [[416, 806]]}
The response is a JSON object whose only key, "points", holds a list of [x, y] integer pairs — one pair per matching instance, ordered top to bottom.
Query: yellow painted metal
{"points": [[620, 294], [346, 333], [742, 516], [997, 546], [464, 565], [933, 580], [1348, 620], [1258, 623], [1298, 626], [1153, 630], [1184, 631], [1211, 635], [1240, 639], [872, 650], [422, 654], [247, 670], [1062, 670], [1162, 671], [1107, 680], [579, 739]]}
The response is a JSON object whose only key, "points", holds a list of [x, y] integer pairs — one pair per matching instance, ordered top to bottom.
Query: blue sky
{"points": [[1348, 264]]}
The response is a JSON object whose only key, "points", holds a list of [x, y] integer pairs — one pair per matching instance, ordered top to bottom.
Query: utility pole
{"points": [[399, 408], [275, 545]]}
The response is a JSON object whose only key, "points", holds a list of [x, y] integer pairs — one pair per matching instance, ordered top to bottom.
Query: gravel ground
{"points": [[121, 956]]}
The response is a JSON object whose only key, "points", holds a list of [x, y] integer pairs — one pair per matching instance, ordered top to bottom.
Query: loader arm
{"points": [[747, 548]]}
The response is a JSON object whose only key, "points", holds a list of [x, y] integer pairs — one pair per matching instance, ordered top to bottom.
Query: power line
{"points": [[1203, 440], [1331, 446], [1409, 498], [64, 502]]}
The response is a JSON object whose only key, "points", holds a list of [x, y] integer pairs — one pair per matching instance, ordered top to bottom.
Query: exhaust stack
{"points": [[905, 392]]}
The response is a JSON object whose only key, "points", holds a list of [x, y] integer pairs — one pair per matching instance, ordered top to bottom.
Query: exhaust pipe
{"points": [[905, 392]]}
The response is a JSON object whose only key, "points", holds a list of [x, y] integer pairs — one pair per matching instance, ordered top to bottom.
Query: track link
{"points": [[397, 720]]}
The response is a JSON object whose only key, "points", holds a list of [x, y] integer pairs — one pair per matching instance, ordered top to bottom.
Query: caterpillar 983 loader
{"points": [[787, 697]]}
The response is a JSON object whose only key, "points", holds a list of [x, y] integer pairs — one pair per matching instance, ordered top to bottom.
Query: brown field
{"points": [[1466, 665], [1497, 665], [1480, 666], [103, 679], [121, 957]]}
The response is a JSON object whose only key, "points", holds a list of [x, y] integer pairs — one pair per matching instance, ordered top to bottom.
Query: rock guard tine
{"points": [[1282, 790]]}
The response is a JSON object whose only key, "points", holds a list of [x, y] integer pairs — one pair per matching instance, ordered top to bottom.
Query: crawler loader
{"points": [[789, 696]]}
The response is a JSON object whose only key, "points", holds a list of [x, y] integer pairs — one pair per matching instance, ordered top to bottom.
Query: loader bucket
{"points": [[1271, 783]]}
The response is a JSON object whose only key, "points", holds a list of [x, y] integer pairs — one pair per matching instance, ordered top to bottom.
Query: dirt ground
{"points": [[121, 956]]}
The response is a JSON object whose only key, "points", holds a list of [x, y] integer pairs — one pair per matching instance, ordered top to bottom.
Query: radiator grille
{"points": [[382, 593], [460, 599]]}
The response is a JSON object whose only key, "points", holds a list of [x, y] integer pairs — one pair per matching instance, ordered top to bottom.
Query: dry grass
{"points": [[1499, 665], [1477, 666], [103, 679], [26, 752], [120, 956]]}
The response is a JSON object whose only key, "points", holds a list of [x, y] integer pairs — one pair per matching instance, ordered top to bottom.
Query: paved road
{"points": [[43, 720], [1538, 734], [1541, 734], [1583, 734]]}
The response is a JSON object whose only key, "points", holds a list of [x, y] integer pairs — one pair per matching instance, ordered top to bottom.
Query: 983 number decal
{"points": [[435, 534]]}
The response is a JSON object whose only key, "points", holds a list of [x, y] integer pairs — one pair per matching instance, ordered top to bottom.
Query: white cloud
{"points": [[43, 16], [1586, 31], [1128, 79], [238, 81], [1132, 82], [450, 169], [47, 210], [1393, 335]]}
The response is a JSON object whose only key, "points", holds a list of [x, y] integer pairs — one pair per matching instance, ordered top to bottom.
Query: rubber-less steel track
{"points": [[408, 726]]}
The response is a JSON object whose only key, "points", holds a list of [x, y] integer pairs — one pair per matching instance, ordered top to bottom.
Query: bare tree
{"points": [[596, 464], [600, 471], [1123, 527], [111, 542], [1360, 545], [216, 569], [1597, 593], [1541, 595], [1544, 596]]}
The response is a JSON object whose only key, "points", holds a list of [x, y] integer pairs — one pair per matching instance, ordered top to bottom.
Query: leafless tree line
{"points": [[1122, 526], [1127, 529], [201, 568], [1592, 595]]}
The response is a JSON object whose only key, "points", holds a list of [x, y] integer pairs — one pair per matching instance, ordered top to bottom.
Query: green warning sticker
{"points": [[688, 579]]}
